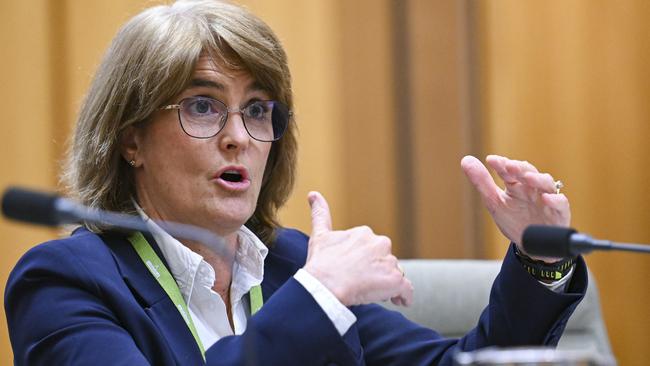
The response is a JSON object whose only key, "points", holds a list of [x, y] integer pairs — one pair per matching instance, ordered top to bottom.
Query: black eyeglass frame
{"points": [[179, 109]]}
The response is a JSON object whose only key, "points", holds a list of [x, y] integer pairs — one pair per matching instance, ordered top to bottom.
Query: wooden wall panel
{"points": [[439, 67], [566, 85], [368, 127], [26, 152]]}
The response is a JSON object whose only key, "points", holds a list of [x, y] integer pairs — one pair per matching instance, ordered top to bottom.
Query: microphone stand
{"points": [[71, 212], [582, 243]]}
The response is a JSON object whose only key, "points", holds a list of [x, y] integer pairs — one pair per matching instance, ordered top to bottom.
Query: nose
{"points": [[234, 135]]}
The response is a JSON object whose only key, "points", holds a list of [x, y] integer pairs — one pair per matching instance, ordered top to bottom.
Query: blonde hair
{"points": [[150, 61]]}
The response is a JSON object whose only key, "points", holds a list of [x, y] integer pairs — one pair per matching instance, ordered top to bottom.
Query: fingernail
{"points": [[311, 197]]}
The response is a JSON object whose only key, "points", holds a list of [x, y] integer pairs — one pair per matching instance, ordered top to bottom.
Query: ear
{"points": [[130, 144]]}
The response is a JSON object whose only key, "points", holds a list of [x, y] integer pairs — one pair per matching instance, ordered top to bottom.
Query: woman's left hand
{"points": [[529, 197]]}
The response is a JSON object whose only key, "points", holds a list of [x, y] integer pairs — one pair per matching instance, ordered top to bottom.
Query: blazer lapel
{"points": [[277, 270], [153, 299]]}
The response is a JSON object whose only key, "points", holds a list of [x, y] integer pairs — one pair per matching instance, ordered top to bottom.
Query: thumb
{"points": [[480, 178], [321, 219]]}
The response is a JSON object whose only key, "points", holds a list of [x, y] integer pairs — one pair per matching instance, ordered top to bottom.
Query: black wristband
{"points": [[543, 271]]}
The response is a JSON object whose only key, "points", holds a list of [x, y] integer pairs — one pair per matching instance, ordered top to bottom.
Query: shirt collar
{"points": [[248, 269]]}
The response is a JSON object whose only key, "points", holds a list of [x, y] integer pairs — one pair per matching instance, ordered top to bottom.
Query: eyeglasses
{"points": [[203, 117]]}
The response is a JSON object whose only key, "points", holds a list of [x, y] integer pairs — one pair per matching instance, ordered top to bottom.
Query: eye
{"points": [[200, 107], [258, 110]]}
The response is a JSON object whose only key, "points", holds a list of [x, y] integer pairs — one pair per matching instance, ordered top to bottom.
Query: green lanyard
{"points": [[167, 282]]}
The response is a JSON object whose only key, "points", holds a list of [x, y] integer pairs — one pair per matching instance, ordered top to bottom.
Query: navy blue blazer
{"points": [[89, 299]]}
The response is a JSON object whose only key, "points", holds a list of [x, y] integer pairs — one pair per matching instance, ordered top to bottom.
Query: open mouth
{"points": [[232, 176]]}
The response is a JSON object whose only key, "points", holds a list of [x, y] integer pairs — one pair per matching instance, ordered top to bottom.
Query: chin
{"points": [[231, 217]]}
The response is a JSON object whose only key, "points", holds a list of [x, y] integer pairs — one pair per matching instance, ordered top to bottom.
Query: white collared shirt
{"points": [[195, 278]]}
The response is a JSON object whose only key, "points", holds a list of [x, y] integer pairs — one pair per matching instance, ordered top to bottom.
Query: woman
{"points": [[189, 120]]}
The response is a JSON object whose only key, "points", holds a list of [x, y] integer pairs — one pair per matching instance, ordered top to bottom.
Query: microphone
{"points": [[37, 207], [51, 210], [562, 242]]}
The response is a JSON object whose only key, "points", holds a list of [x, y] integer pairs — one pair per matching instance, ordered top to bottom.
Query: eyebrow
{"points": [[197, 83], [206, 83]]}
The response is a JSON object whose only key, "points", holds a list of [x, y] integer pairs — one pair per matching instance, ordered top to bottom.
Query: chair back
{"points": [[451, 294]]}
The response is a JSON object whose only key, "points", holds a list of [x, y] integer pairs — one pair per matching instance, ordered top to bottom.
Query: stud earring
{"points": [[132, 163]]}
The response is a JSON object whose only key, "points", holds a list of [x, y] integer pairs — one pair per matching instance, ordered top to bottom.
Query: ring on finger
{"points": [[558, 185]]}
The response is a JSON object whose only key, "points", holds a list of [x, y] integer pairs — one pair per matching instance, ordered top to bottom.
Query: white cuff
{"points": [[560, 285], [341, 316]]}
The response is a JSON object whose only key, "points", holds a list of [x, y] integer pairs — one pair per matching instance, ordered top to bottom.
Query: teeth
{"points": [[231, 171]]}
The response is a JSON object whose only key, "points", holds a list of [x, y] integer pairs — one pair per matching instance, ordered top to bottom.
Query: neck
{"points": [[221, 262]]}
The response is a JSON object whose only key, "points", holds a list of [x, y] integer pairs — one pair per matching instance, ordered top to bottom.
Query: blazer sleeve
{"points": [[521, 312], [290, 329]]}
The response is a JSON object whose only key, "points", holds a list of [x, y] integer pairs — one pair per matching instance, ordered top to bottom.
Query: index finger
{"points": [[479, 176], [321, 219]]}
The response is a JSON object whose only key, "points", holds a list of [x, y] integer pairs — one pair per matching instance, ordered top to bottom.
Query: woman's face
{"points": [[213, 183]]}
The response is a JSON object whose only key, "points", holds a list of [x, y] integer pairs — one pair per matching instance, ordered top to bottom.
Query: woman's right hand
{"points": [[356, 265]]}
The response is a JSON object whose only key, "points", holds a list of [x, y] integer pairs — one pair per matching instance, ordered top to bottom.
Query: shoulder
{"points": [[291, 236], [81, 242], [291, 244], [287, 254], [83, 255]]}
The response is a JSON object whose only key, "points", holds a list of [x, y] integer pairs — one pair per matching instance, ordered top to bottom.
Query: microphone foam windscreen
{"points": [[29, 206], [548, 241]]}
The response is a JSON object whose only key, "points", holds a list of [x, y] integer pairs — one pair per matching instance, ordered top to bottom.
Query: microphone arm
{"points": [[51, 210], [561, 242], [585, 244]]}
